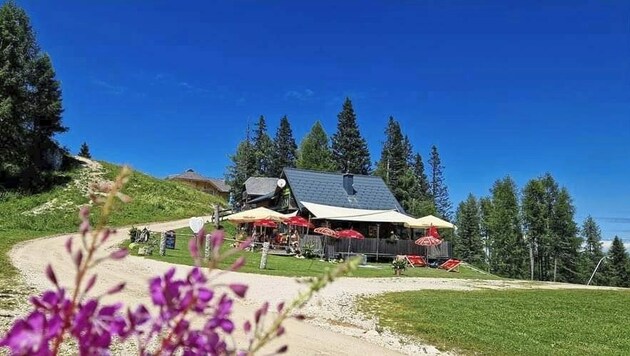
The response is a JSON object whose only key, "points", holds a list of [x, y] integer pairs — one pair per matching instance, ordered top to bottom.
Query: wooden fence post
{"points": [[163, 244], [263, 256]]}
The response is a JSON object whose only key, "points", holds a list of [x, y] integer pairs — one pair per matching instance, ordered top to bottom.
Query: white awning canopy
{"points": [[329, 212], [257, 214], [428, 221]]}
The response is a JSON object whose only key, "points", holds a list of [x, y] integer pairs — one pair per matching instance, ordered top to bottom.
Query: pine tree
{"points": [[17, 50], [30, 102], [349, 148], [263, 149], [285, 149], [85, 151], [315, 153], [394, 162], [244, 165], [438, 188], [424, 191], [416, 199], [535, 224], [566, 242], [468, 243], [593, 253], [509, 255], [618, 264]]}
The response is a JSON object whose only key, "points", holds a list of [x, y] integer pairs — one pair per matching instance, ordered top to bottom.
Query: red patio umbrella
{"points": [[298, 221], [265, 223], [326, 232], [350, 234], [428, 241]]}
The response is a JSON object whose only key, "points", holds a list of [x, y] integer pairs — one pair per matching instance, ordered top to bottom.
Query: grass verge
{"points": [[295, 267], [514, 322]]}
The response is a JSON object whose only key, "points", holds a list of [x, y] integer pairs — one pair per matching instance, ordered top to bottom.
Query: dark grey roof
{"points": [[192, 175], [260, 185], [327, 188], [262, 197]]}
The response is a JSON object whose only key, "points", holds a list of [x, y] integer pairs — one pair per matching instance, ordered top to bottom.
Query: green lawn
{"points": [[153, 200], [294, 267], [514, 322]]}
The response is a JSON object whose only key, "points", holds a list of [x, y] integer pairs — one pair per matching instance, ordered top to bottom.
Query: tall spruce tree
{"points": [[30, 102], [349, 148], [263, 149], [285, 149], [84, 151], [315, 153], [394, 162], [244, 165], [414, 185], [424, 188], [438, 188], [535, 224], [468, 242], [566, 242], [593, 252], [509, 255], [618, 273]]}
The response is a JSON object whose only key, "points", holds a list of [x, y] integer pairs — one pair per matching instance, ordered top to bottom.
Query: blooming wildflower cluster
{"points": [[58, 314]]}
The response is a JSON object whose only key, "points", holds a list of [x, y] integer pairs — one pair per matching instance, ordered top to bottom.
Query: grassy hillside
{"points": [[24, 217]]}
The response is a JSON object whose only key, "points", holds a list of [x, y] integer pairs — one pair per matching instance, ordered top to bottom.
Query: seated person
{"points": [[280, 239]]}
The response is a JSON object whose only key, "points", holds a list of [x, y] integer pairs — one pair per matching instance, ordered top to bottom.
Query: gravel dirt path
{"points": [[333, 326]]}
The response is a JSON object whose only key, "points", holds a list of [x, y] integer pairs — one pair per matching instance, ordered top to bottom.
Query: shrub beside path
{"points": [[333, 326]]}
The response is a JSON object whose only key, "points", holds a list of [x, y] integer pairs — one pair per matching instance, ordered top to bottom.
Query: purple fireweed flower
{"points": [[84, 212], [84, 228], [106, 234], [218, 236], [245, 244], [68, 245], [193, 248], [119, 254], [78, 258], [240, 262], [51, 275], [196, 276], [90, 284], [117, 288], [239, 289], [52, 303], [139, 316], [221, 316], [94, 327], [31, 336], [203, 342], [282, 349]]}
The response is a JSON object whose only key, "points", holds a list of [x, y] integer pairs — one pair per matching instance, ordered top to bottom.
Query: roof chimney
{"points": [[348, 181]]}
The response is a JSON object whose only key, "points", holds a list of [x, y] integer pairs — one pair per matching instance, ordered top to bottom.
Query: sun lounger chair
{"points": [[415, 261], [451, 265]]}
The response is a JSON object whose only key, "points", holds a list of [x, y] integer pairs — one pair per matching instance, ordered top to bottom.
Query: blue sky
{"points": [[518, 88]]}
